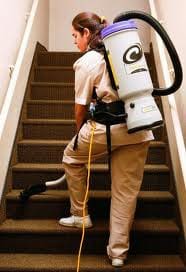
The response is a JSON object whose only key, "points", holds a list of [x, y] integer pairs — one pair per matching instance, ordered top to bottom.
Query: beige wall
{"points": [[62, 13], [172, 13], [12, 26]]}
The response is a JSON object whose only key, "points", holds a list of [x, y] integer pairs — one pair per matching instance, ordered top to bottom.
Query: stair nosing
{"points": [[60, 53], [52, 67], [58, 84], [44, 101], [48, 121], [43, 142], [62, 142], [95, 167], [57, 195], [46, 226]]}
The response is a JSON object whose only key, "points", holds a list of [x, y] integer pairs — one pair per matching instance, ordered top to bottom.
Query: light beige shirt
{"points": [[90, 72]]}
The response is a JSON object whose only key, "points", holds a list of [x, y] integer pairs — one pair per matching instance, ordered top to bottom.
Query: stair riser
{"points": [[68, 58], [58, 59], [54, 75], [65, 92], [52, 93], [50, 111], [49, 131], [61, 131], [54, 154], [98, 180], [98, 208], [62, 242], [94, 268]]}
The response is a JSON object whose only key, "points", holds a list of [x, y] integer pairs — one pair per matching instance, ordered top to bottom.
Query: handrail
{"points": [[15, 75], [9, 116], [174, 130]]}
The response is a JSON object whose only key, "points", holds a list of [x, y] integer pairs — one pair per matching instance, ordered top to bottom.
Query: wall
{"points": [[62, 13], [173, 16], [12, 26], [36, 30]]}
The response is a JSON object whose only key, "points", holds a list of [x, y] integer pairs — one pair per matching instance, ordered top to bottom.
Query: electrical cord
{"points": [[86, 195]]}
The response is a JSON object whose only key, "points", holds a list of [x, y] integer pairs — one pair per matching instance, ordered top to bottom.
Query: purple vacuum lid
{"points": [[123, 25]]}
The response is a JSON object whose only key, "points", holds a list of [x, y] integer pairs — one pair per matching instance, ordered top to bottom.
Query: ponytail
{"points": [[95, 24]]}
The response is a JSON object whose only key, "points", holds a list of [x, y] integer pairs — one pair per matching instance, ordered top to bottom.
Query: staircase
{"points": [[30, 238]]}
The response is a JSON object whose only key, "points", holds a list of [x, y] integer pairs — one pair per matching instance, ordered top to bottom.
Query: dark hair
{"points": [[94, 23]]}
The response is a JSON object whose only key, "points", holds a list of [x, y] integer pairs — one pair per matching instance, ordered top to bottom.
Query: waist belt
{"points": [[108, 113]]}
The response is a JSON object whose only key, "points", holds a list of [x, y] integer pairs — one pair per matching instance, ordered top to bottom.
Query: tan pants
{"points": [[128, 158]]}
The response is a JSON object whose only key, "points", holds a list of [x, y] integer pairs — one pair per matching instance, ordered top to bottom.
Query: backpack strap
{"points": [[103, 51], [112, 81], [109, 147]]}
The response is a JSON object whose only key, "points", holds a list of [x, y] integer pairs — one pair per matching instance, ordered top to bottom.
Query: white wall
{"points": [[62, 13], [173, 15], [12, 26], [36, 30]]}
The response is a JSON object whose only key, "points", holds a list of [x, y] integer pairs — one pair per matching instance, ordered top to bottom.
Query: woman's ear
{"points": [[86, 32]]}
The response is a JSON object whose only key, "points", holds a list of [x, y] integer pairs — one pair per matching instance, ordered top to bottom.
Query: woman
{"points": [[129, 151]]}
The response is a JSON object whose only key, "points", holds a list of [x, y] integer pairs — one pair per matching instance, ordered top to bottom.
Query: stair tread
{"points": [[46, 53], [52, 67], [57, 84], [43, 101], [49, 101], [48, 121], [43, 142], [62, 142], [94, 166], [59, 195], [45, 226], [63, 262]]}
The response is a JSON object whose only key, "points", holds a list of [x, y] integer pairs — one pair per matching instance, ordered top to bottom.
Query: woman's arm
{"points": [[80, 115]]}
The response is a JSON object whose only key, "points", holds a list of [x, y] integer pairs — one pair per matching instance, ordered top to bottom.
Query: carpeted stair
{"points": [[31, 239]]}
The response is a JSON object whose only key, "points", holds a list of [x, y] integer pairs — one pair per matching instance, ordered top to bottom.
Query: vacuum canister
{"points": [[131, 75]]}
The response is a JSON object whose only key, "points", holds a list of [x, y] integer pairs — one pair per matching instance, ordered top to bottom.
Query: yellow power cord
{"points": [[86, 195]]}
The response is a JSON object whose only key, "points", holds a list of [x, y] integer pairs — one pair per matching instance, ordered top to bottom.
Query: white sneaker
{"points": [[76, 221], [117, 262]]}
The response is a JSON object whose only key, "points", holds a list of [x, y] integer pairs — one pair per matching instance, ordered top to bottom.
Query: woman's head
{"points": [[86, 30]]}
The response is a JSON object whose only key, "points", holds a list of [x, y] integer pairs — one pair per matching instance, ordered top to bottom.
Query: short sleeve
{"points": [[84, 83]]}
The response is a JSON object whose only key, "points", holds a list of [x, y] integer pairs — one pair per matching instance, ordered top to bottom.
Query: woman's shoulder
{"points": [[89, 60]]}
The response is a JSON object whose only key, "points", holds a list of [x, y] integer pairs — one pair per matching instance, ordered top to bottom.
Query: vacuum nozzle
{"points": [[39, 188], [32, 190]]}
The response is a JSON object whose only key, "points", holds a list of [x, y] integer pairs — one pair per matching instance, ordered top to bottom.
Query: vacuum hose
{"points": [[168, 43]]}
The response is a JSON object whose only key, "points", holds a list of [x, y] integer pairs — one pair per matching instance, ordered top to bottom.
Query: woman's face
{"points": [[81, 40]]}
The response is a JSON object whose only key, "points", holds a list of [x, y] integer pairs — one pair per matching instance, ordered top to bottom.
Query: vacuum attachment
{"points": [[39, 188], [32, 190]]}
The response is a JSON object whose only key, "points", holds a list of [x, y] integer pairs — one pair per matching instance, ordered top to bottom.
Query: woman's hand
{"points": [[80, 115]]}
